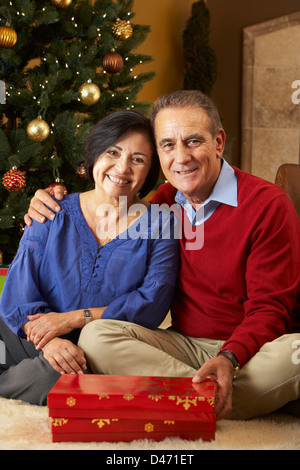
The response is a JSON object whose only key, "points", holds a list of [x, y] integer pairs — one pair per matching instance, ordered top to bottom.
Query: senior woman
{"points": [[97, 259]]}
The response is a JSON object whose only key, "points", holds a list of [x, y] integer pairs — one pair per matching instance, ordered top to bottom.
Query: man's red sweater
{"points": [[242, 284]]}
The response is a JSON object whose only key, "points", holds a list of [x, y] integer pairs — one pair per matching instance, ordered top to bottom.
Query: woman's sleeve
{"points": [[21, 295], [149, 303]]}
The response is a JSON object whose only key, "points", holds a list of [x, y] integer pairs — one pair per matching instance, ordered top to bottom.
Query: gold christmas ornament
{"points": [[61, 3], [122, 30], [8, 37], [112, 62], [89, 93], [38, 130], [80, 171], [14, 180]]}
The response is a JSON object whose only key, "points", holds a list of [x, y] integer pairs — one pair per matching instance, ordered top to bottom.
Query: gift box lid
{"points": [[115, 393], [127, 414]]}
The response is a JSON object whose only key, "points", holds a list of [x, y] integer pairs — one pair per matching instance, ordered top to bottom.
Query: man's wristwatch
{"points": [[87, 315], [233, 359]]}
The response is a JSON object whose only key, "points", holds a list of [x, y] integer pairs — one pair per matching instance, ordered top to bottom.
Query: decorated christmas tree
{"points": [[64, 64]]}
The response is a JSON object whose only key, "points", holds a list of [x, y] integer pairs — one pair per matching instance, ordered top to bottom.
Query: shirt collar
{"points": [[224, 191]]}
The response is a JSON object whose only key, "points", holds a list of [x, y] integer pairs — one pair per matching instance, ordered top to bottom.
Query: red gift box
{"points": [[125, 408]]}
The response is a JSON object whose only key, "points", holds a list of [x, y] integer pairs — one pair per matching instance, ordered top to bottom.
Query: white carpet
{"points": [[25, 427]]}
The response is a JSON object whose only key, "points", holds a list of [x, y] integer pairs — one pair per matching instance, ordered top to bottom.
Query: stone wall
{"points": [[270, 118]]}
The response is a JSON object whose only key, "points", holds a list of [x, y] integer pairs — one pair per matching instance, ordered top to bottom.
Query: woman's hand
{"points": [[42, 198], [43, 327], [64, 356]]}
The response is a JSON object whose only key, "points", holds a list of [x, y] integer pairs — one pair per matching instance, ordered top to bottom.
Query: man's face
{"points": [[189, 155]]}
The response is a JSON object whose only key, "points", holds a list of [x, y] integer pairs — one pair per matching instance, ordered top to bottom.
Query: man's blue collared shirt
{"points": [[224, 192]]}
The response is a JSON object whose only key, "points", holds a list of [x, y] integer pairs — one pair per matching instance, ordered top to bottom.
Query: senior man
{"points": [[234, 314]]}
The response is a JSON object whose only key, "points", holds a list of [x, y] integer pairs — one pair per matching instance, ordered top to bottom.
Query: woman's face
{"points": [[122, 168]]}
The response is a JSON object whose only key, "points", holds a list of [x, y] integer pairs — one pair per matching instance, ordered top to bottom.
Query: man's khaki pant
{"points": [[267, 382]]}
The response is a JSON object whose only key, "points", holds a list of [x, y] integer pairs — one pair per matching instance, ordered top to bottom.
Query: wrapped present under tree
{"points": [[3, 272]]}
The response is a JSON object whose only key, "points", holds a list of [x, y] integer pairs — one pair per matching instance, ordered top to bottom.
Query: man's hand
{"points": [[42, 198], [64, 356], [221, 370]]}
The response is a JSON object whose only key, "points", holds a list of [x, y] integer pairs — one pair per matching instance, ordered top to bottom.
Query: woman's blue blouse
{"points": [[60, 267]]}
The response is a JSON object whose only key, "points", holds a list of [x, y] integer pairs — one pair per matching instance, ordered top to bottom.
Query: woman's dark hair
{"points": [[108, 131]]}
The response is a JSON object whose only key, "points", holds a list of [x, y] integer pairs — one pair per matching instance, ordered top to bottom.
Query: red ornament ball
{"points": [[112, 62], [14, 180], [51, 186]]}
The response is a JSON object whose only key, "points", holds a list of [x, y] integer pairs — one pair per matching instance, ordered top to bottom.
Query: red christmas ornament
{"points": [[112, 62], [14, 180], [56, 183]]}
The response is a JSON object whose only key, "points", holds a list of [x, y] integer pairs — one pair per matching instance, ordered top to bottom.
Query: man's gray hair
{"points": [[185, 99]]}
